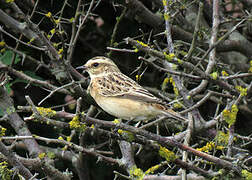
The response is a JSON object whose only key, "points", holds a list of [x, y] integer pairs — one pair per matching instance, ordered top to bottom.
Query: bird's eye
{"points": [[95, 64]]}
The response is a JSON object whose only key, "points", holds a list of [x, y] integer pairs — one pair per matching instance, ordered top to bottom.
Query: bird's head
{"points": [[99, 66]]}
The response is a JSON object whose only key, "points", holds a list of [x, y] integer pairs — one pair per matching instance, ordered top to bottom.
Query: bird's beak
{"points": [[82, 67]]}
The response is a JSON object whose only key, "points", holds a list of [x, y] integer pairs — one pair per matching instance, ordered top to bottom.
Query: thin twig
{"points": [[195, 33], [22, 42], [73, 43], [121, 50], [212, 56], [171, 71], [57, 89], [199, 103], [187, 141]]}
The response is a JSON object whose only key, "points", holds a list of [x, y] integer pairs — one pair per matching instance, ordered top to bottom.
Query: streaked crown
{"points": [[100, 65]]}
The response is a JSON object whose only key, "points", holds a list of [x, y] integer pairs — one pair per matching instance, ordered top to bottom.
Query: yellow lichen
{"points": [[9, 1], [164, 2], [49, 14], [166, 16], [71, 20], [57, 21], [52, 31], [31, 40], [2, 43], [142, 44], [56, 45], [60, 51], [169, 57], [179, 61], [250, 69], [224, 73], [214, 75], [138, 77], [164, 84], [174, 86], [243, 91], [177, 105], [46, 112], [230, 116], [116, 121], [75, 124], [2, 131], [120, 131], [128, 135], [61, 138], [68, 138], [222, 138], [209, 147], [64, 148], [167, 154], [42, 155], [51, 155], [152, 169], [5, 172], [136, 173], [246, 174]]}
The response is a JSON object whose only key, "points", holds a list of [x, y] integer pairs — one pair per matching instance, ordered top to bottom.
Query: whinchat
{"points": [[119, 95]]}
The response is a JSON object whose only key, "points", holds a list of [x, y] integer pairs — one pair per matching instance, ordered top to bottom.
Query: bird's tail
{"points": [[170, 113], [175, 115]]}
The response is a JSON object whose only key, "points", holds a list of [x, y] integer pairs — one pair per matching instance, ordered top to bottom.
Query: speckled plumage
{"points": [[119, 95]]}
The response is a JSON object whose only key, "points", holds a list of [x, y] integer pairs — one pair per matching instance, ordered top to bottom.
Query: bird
{"points": [[120, 96]]}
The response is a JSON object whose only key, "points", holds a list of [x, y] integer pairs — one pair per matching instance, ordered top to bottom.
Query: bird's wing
{"points": [[119, 85]]}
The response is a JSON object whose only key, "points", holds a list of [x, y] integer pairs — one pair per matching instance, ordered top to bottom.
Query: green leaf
{"points": [[6, 57], [28, 73], [8, 87]]}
